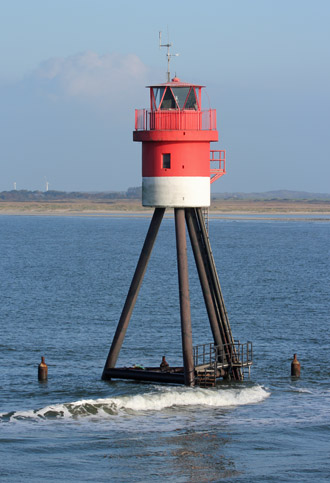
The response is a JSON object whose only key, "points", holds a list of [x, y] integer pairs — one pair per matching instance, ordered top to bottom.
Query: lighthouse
{"points": [[178, 168]]}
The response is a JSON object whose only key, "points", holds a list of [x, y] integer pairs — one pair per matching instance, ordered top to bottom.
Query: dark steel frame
{"points": [[211, 289]]}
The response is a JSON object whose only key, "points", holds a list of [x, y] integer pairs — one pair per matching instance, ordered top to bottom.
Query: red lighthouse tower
{"points": [[176, 133]]}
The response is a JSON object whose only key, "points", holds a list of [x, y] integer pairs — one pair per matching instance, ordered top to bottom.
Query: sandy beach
{"points": [[134, 208]]}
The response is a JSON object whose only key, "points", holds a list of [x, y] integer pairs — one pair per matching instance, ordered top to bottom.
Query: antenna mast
{"points": [[168, 55]]}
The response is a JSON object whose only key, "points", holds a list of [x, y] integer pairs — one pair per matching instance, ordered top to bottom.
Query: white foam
{"points": [[301, 390], [192, 397], [161, 398]]}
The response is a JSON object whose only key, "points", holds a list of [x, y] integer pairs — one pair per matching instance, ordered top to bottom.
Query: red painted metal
{"points": [[149, 119], [179, 136], [217, 157], [187, 159]]}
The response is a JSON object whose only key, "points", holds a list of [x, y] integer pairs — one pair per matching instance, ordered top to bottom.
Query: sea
{"points": [[63, 283]]}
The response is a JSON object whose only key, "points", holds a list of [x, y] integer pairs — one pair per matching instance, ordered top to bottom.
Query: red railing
{"points": [[147, 120], [218, 164]]}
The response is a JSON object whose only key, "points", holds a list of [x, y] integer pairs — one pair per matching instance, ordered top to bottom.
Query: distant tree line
{"points": [[51, 195]]}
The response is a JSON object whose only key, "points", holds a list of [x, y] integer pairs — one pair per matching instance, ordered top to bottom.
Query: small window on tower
{"points": [[166, 161]]}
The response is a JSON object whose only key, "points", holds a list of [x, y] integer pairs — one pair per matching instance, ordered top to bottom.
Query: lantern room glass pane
{"points": [[158, 93], [180, 94], [168, 100], [191, 102]]}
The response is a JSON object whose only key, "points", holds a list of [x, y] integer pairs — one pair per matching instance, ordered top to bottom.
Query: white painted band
{"points": [[176, 191]]}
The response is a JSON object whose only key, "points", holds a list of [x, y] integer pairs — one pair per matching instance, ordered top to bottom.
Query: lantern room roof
{"points": [[175, 82]]}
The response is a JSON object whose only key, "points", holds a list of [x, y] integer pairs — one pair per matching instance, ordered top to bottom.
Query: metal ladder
{"points": [[205, 211], [206, 378]]}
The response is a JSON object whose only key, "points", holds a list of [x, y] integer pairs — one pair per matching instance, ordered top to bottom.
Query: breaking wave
{"points": [[158, 400]]}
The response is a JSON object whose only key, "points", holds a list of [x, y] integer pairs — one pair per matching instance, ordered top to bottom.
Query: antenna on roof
{"points": [[168, 55]]}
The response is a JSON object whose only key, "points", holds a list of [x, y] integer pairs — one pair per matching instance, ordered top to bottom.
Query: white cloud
{"points": [[106, 80]]}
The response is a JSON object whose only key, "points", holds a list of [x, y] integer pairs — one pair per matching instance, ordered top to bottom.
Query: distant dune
{"points": [[273, 195]]}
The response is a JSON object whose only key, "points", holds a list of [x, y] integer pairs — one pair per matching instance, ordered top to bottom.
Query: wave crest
{"points": [[163, 398]]}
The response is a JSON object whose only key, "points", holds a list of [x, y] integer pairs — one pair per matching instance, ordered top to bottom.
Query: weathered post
{"points": [[295, 367], [42, 370]]}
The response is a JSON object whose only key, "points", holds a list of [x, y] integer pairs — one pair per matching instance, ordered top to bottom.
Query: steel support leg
{"points": [[203, 278], [134, 288], [224, 325], [227, 334], [187, 347]]}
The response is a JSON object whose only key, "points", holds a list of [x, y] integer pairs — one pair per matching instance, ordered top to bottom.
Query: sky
{"points": [[73, 72]]}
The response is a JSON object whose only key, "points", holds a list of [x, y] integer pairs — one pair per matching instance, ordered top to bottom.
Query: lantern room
{"points": [[176, 95]]}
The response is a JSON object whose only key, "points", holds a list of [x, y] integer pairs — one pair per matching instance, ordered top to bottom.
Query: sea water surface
{"points": [[63, 282]]}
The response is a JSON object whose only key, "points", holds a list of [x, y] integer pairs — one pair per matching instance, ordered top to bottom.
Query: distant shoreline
{"points": [[133, 208]]}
